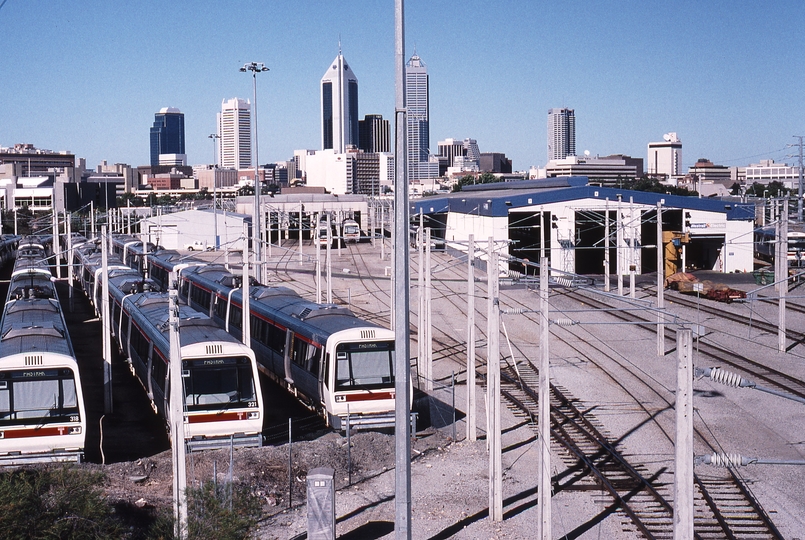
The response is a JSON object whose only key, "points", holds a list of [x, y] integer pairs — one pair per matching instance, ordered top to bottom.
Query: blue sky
{"points": [[728, 77]]}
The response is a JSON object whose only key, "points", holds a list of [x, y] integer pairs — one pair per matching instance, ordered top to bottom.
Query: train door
{"points": [[286, 360], [324, 362], [305, 363], [148, 381]]}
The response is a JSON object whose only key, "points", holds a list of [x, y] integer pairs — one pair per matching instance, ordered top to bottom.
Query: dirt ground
{"points": [[147, 482]]}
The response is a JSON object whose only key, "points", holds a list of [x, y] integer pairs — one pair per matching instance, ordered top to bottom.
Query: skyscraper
{"points": [[417, 104], [339, 107], [235, 132], [374, 133], [561, 133], [167, 134]]}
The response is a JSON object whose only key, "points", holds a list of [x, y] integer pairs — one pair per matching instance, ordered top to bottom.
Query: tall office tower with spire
{"points": [[417, 104], [339, 106], [235, 132], [561, 133], [167, 135]]}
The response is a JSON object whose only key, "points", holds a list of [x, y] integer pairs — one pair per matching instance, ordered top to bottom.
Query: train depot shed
{"points": [[576, 222], [197, 229]]}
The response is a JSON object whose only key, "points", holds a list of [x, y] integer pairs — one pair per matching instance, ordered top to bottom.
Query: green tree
{"points": [[470, 179], [652, 185], [772, 189]]}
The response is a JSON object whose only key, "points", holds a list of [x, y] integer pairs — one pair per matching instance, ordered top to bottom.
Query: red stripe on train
{"points": [[370, 396], [217, 417], [36, 432]]}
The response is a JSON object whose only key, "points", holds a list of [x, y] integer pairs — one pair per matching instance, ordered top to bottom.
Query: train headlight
{"points": [[341, 399], [254, 415], [75, 430], [2, 434]]}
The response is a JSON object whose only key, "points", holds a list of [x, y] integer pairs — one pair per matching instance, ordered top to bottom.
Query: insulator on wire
{"points": [[564, 282], [514, 311], [564, 322], [726, 378], [722, 459]]}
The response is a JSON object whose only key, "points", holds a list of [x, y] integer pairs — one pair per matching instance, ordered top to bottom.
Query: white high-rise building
{"points": [[339, 107], [235, 132], [561, 133], [665, 158], [420, 165]]}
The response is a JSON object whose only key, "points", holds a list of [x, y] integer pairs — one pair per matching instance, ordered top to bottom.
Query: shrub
{"points": [[54, 503], [223, 512]]}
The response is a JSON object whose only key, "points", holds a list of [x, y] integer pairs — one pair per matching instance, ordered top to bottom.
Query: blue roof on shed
{"points": [[497, 200]]}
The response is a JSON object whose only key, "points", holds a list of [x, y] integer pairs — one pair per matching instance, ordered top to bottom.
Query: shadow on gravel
{"points": [[457, 527], [370, 531]]}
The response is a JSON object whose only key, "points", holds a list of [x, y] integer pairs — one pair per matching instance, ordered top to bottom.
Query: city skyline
{"points": [[726, 79]]}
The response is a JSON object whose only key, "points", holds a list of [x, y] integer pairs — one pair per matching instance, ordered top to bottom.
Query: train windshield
{"points": [[351, 229], [364, 365], [218, 383], [41, 396]]}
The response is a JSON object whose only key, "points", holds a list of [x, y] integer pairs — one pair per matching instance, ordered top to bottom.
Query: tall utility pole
{"points": [[255, 68], [215, 137], [800, 193], [782, 241], [618, 242], [317, 243], [420, 245], [606, 245], [56, 247], [329, 262], [660, 285], [401, 306], [245, 309], [428, 319], [106, 324], [493, 386], [544, 406], [471, 409], [177, 415], [683, 443]]}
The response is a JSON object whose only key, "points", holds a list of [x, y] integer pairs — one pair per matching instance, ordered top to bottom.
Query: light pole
{"points": [[255, 68], [214, 137]]}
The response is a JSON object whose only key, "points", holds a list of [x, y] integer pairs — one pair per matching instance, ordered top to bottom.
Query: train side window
{"points": [[183, 288], [200, 296], [220, 308], [235, 315], [124, 326], [254, 326], [276, 339], [299, 356], [313, 359], [326, 370], [159, 371]]}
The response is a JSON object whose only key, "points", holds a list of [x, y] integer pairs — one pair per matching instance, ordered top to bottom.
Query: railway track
{"points": [[749, 321], [753, 369], [723, 508]]}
